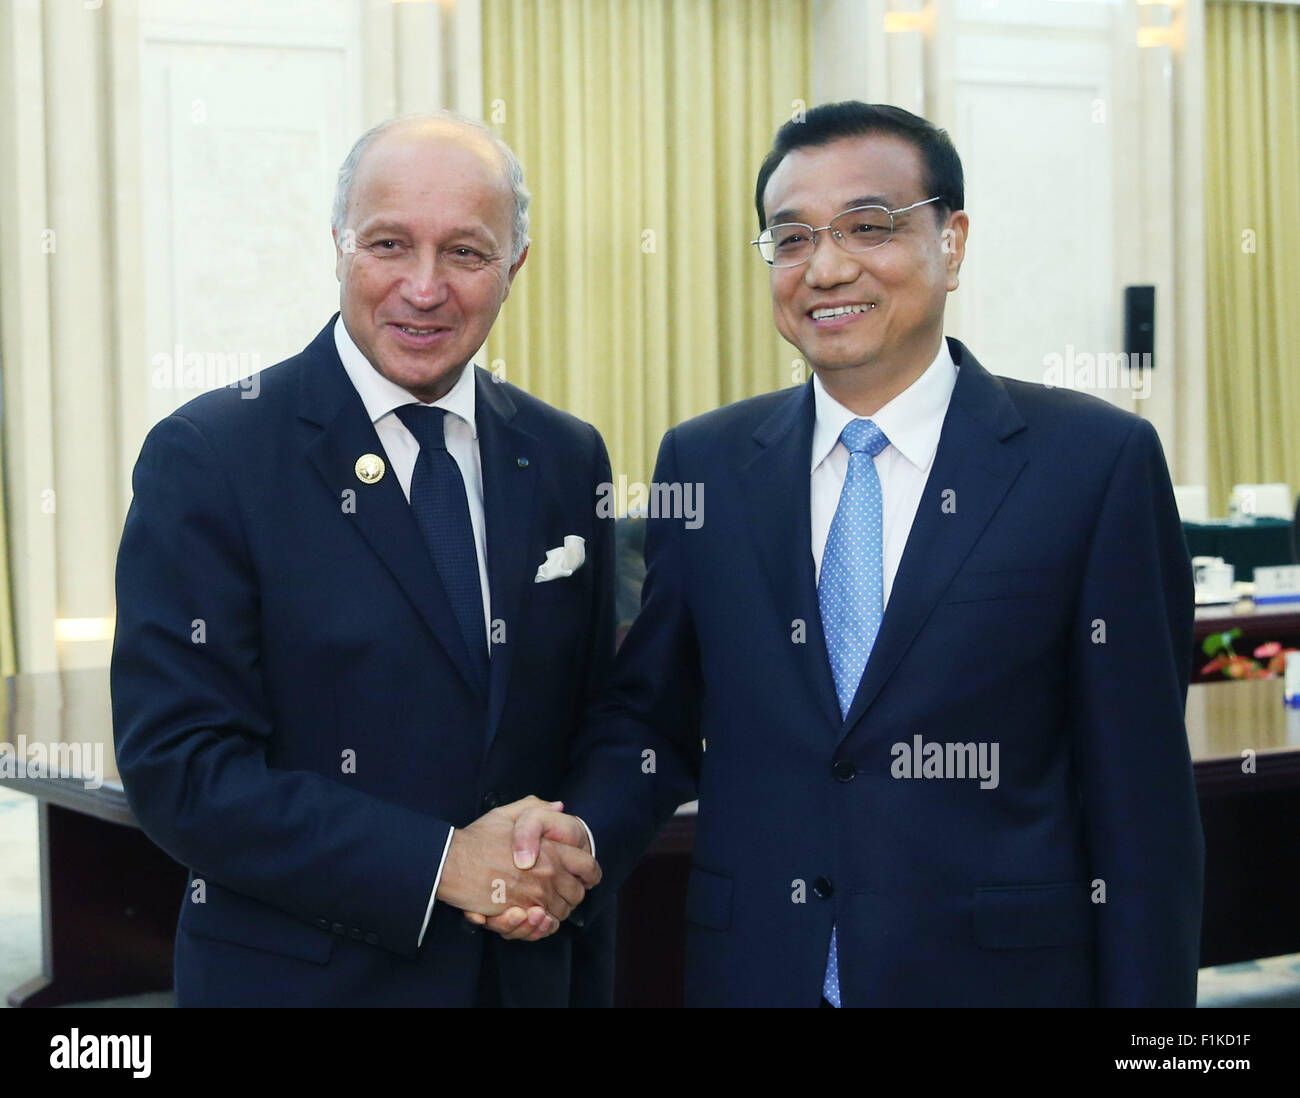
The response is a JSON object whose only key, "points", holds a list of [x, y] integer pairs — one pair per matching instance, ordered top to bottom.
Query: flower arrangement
{"points": [[1269, 661]]}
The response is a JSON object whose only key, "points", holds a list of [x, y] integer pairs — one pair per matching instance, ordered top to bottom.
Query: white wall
{"points": [[247, 110], [182, 153], [1082, 157]]}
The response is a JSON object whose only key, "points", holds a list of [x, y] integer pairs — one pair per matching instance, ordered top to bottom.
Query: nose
{"points": [[830, 264], [425, 285]]}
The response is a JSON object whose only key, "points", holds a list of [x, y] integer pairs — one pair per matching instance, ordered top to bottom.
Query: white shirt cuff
{"points": [[591, 839], [428, 912]]}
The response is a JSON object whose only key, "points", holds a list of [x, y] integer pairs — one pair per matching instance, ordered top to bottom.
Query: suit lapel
{"points": [[509, 458], [976, 464], [777, 484], [381, 514]]}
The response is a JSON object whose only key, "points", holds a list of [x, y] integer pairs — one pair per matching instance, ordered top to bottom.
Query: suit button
{"points": [[844, 771], [490, 801], [823, 888], [324, 924], [339, 928], [355, 934], [372, 939]]}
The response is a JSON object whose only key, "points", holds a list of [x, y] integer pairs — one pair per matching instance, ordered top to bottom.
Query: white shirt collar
{"points": [[381, 396], [912, 421]]}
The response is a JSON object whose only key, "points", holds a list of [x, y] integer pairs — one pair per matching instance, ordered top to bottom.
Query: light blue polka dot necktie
{"points": [[850, 589]]}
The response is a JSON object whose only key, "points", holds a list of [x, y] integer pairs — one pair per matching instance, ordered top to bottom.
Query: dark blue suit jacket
{"points": [[1043, 603], [294, 714]]}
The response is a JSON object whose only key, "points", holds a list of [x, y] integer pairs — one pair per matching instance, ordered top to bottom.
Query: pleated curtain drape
{"points": [[641, 126], [1252, 202]]}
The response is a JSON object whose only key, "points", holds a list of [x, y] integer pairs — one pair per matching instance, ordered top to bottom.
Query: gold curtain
{"points": [[641, 125], [1252, 201], [8, 657]]}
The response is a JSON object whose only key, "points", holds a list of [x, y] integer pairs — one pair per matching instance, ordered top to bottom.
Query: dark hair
{"points": [[941, 166]]}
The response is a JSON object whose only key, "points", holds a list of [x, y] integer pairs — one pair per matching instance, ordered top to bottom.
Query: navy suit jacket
{"points": [[1043, 604], [295, 716]]}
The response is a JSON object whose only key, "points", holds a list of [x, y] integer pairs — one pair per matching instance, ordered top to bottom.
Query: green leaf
{"points": [[1219, 642]]}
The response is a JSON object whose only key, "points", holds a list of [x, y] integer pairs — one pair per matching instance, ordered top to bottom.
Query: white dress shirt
{"points": [[381, 398], [912, 422]]}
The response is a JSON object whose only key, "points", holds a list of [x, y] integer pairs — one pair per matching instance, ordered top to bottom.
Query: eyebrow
{"points": [[862, 200], [368, 228], [396, 228]]}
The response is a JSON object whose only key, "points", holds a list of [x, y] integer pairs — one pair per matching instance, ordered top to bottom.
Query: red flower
{"points": [[1267, 651]]}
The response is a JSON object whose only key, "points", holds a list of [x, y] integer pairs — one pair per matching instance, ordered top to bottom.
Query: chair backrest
{"points": [[1261, 501], [1193, 502], [1295, 535]]}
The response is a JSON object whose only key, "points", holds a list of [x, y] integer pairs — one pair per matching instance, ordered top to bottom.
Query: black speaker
{"points": [[1140, 324]]}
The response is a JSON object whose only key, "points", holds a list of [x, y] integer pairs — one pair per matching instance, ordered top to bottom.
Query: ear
{"points": [[953, 245], [338, 255], [514, 269]]}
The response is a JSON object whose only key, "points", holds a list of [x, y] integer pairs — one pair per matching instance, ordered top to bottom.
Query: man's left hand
{"points": [[535, 826]]}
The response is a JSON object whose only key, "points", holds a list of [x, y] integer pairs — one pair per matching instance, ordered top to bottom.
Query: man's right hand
{"points": [[537, 826], [480, 874]]}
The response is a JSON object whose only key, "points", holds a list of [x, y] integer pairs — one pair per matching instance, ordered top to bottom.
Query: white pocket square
{"points": [[564, 560]]}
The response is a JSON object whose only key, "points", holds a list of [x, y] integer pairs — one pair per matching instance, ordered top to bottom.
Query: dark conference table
{"points": [[111, 897]]}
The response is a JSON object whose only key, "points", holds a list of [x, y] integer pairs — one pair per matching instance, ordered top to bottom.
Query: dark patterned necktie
{"points": [[442, 513]]}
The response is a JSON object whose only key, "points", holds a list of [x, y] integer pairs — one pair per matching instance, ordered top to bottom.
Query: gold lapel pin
{"points": [[370, 468]]}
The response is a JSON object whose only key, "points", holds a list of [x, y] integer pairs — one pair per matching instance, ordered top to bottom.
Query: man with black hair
{"points": [[925, 661]]}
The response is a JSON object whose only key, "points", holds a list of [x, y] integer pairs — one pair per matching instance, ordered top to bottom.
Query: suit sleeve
{"points": [[601, 654], [1130, 663], [195, 730], [638, 757]]}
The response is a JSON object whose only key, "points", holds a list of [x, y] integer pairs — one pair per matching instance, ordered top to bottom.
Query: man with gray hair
{"points": [[360, 617]]}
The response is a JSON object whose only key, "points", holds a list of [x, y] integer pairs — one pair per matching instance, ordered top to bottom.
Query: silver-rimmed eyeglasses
{"points": [[860, 229]]}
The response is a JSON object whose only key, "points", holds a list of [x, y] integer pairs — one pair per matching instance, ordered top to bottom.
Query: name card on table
{"points": [[1278, 584]]}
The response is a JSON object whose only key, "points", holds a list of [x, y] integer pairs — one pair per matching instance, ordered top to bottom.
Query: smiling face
{"points": [[426, 264], [869, 322]]}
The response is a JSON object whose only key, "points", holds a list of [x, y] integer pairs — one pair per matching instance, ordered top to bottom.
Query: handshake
{"points": [[519, 870]]}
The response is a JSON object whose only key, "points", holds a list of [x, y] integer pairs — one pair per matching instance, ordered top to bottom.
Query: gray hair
{"points": [[514, 172]]}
